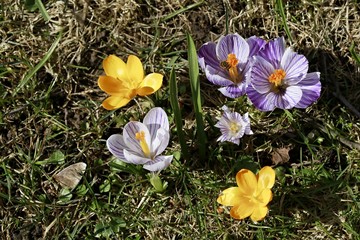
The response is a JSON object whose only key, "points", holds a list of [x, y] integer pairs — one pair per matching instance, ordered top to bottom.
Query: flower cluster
{"points": [[271, 75], [140, 143]]}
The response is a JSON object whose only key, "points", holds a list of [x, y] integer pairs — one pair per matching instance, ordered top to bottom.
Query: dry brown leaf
{"points": [[280, 155], [70, 177]]}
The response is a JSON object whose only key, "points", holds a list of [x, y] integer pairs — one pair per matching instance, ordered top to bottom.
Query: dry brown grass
{"points": [[35, 121]]}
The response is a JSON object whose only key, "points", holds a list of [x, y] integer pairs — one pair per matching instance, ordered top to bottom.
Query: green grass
{"points": [[51, 117]]}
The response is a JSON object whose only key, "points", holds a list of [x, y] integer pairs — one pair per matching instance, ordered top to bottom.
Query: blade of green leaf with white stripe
{"points": [[195, 94], [177, 114]]}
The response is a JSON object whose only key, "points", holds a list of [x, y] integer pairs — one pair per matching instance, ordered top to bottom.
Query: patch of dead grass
{"points": [[93, 29]]}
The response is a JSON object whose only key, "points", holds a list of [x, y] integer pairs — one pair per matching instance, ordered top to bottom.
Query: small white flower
{"points": [[233, 126]]}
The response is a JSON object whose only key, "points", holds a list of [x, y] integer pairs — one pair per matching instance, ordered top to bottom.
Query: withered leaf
{"points": [[280, 155], [70, 177]]}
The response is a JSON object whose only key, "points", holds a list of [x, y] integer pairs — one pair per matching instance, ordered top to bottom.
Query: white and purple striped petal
{"points": [[233, 43], [255, 45], [273, 51], [207, 56], [295, 65], [261, 71], [217, 77], [310, 80], [311, 88], [233, 91], [290, 98], [260, 100], [155, 119], [129, 134], [226, 138], [160, 142], [115, 144], [135, 158], [158, 164]]}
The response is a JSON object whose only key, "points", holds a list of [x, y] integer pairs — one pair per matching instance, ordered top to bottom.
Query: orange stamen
{"points": [[232, 60], [230, 65], [277, 76]]}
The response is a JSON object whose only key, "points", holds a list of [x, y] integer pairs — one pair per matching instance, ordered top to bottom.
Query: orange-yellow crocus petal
{"points": [[115, 67], [135, 70], [153, 80], [151, 83], [112, 86], [144, 91], [114, 102], [266, 178], [246, 181], [229, 197], [264, 197], [243, 209], [259, 213]]}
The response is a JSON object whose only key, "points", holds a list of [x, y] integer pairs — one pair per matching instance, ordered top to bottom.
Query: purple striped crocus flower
{"points": [[228, 63], [280, 79], [233, 126], [142, 143]]}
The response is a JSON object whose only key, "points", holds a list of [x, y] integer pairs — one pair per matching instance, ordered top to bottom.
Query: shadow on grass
{"points": [[339, 78], [325, 201]]}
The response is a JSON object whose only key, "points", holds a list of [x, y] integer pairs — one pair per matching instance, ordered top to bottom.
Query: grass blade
{"points": [[280, 6], [42, 9], [184, 9], [226, 19], [353, 53], [38, 66], [195, 94], [177, 114]]}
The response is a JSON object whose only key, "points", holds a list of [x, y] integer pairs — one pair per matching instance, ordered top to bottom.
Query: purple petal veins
{"points": [[228, 63], [279, 79]]}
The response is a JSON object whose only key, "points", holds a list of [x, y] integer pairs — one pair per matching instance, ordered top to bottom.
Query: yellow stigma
{"points": [[230, 65], [277, 76], [234, 127], [144, 146]]}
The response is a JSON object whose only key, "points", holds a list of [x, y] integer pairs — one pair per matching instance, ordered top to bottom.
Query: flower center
{"points": [[230, 66], [277, 76], [128, 88], [234, 128], [143, 144], [255, 200]]}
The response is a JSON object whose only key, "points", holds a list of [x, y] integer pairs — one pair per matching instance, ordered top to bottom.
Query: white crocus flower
{"points": [[233, 126], [142, 143]]}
